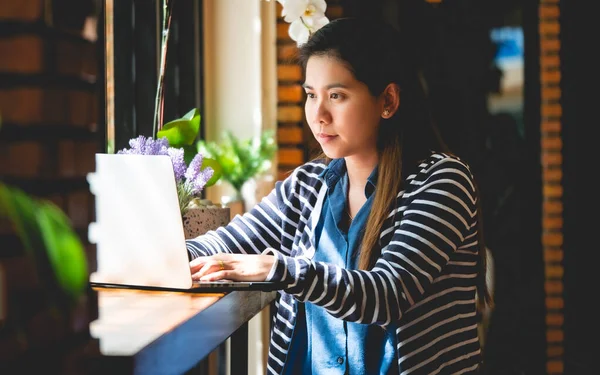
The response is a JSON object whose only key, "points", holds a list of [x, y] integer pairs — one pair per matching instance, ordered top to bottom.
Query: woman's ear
{"points": [[391, 100]]}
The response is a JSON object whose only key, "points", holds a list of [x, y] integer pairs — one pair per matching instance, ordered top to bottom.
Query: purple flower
{"points": [[146, 146], [178, 161], [194, 168], [196, 177], [190, 180]]}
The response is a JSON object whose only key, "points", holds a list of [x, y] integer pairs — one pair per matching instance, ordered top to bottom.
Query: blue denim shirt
{"points": [[322, 343]]}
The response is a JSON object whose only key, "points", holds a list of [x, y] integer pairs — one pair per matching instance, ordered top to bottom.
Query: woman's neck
{"points": [[359, 169]]}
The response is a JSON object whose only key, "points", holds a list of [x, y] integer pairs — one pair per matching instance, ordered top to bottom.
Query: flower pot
{"points": [[198, 221]]}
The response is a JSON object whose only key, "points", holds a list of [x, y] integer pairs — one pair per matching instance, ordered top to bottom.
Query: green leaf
{"points": [[192, 115], [183, 131], [188, 153], [212, 163], [21, 211], [47, 235], [65, 250]]}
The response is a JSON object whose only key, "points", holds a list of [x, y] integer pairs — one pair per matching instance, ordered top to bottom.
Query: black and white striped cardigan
{"points": [[424, 280]]}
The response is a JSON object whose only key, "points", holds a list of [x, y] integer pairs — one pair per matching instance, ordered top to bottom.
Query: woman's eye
{"points": [[310, 95], [335, 96]]}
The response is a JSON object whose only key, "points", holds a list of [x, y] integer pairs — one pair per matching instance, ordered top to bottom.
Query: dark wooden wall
{"points": [[579, 86], [50, 132]]}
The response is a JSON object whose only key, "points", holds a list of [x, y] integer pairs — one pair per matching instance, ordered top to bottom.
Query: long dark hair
{"points": [[375, 54]]}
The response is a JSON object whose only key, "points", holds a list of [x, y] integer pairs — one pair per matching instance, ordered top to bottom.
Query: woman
{"points": [[378, 240]]}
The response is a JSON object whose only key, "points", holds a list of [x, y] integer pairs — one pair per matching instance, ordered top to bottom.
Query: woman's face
{"points": [[342, 114]]}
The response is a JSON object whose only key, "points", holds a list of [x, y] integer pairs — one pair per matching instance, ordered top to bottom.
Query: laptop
{"points": [[138, 232]]}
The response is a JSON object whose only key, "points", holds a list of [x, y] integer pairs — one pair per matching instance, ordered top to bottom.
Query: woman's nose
{"points": [[321, 114]]}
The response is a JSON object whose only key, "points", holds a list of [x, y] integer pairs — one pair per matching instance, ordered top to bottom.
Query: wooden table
{"points": [[146, 332]]}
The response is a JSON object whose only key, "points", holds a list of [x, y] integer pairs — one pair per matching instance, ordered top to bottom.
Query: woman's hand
{"points": [[238, 267]]}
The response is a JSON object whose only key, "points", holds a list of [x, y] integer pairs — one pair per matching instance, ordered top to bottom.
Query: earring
{"points": [[386, 112]]}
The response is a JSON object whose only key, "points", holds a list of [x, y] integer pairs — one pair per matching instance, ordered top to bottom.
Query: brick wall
{"points": [[48, 138], [295, 141], [552, 186]]}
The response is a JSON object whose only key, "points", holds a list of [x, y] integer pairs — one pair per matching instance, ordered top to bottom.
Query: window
{"points": [[132, 57]]}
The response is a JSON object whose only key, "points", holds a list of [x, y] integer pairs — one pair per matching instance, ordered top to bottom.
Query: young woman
{"points": [[378, 240]]}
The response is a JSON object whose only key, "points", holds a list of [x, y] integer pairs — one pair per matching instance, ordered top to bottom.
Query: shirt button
{"points": [[340, 360]]}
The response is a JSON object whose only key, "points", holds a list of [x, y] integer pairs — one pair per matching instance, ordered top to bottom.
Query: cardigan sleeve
{"points": [[437, 216], [249, 233]]}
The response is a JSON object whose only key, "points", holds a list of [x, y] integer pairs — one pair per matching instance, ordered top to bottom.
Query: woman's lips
{"points": [[326, 137]]}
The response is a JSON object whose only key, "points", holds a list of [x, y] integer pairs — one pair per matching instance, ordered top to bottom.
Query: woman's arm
{"points": [[439, 216], [265, 226], [250, 233]]}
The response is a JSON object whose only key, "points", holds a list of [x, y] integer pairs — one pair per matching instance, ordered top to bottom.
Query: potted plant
{"points": [[241, 160], [193, 171]]}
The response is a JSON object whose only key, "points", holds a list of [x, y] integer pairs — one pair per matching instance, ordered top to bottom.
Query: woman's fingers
{"points": [[197, 264], [209, 265], [232, 266], [201, 272], [218, 275]]}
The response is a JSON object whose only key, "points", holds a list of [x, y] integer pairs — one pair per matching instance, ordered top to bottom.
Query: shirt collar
{"points": [[336, 169]]}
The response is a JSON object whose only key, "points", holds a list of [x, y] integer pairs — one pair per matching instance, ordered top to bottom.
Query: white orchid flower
{"points": [[294, 9], [305, 17], [301, 30]]}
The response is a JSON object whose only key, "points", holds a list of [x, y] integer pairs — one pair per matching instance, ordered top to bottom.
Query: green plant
{"points": [[182, 133], [175, 140], [241, 160], [49, 240]]}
